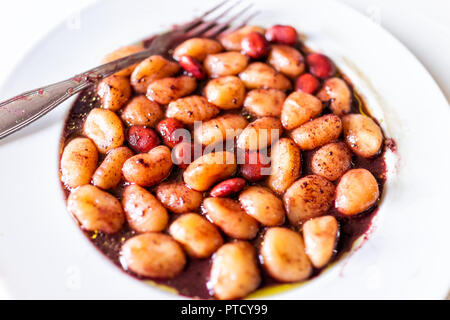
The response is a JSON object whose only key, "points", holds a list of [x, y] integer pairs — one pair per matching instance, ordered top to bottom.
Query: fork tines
{"points": [[202, 26]]}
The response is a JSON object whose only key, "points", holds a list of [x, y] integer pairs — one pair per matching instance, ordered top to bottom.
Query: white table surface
{"points": [[422, 26]]}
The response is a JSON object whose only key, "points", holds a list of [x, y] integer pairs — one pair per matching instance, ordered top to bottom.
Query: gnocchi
{"points": [[197, 48], [286, 60], [225, 64], [150, 69], [259, 75], [166, 90], [114, 92], [226, 92], [337, 93], [264, 102], [298, 108], [191, 109], [141, 112], [105, 129], [219, 129], [318, 132], [260, 134], [362, 135], [331, 161], [78, 162], [148, 169], [109, 173], [201, 174], [178, 198], [307, 198], [263, 205], [96, 210], [143, 211], [228, 215], [199, 237], [153, 255]]}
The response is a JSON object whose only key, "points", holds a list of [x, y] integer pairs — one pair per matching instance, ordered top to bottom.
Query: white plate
{"points": [[44, 255]]}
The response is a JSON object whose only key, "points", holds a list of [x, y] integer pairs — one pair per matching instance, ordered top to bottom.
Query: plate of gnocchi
{"points": [[285, 159]]}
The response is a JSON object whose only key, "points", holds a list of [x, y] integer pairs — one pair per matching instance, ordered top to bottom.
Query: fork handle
{"points": [[23, 109]]}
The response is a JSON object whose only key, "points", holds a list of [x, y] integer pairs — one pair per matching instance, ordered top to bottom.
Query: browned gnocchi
{"points": [[140, 111], [202, 166], [199, 237], [153, 255]]}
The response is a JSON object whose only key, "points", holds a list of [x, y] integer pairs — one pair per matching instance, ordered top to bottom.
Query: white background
{"points": [[423, 26]]}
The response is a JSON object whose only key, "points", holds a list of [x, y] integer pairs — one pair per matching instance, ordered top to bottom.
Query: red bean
{"points": [[282, 34], [255, 45], [320, 65], [192, 66], [307, 83], [167, 128], [142, 139], [183, 154], [255, 166], [228, 187]]}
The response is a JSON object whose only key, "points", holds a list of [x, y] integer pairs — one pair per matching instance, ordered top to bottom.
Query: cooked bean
{"points": [[282, 34], [232, 41], [255, 45], [197, 48], [121, 53], [287, 60], [225, 64], [320, 65], [193, 67], [150, 69], [259, 75], [307, 83], [165, 90], [114, 92], [225, 92], [338, 93], [265, 102], [298, 108], [191, 109], [141, 112], [222, 128], [105, 129], [170, 130], [318, 132], [260, 134], [362, 135], [142, 139], [184, 153], [331, 161], [78, 162], [286, 165], [255, 167], [148, 169], [208, 169], [109, 173], [228, 187], [356, 192], [309, 197], [178, 198], [263, 205], [96, 210], [143, 211], [228, 215], [320, 235], [199, 237], [153, 255], [284, 256], [234, 271]]}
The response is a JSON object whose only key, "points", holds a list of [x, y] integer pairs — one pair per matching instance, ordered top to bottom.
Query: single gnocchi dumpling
{"points": [[197, 48], [225, 64], [150, 69], [114, 92], [226, 92], [338, 94], [140, 111], [105, 129], [362, 135], [78, 162], [109, 173], [356, 192], [308, 197], [178, 198], [263, 205], [96, 210], [143, 211], [228, 215], [320, 235], [199, 237], [153, 255], [284, 256], [234, 271]]}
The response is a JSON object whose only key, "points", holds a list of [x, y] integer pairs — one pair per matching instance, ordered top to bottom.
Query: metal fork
{"points": [[18, 112]]}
